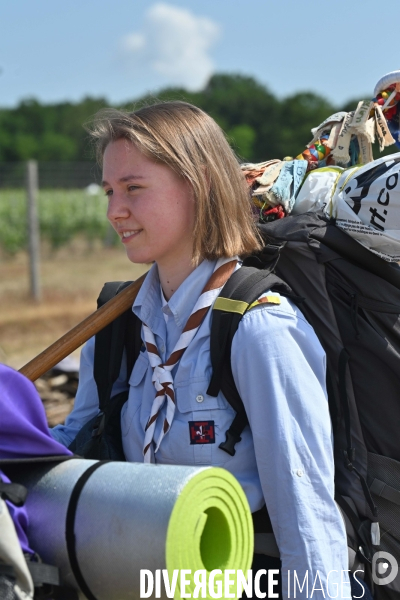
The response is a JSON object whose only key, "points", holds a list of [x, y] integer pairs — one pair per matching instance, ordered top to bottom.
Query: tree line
{"points": [[259, 125]]}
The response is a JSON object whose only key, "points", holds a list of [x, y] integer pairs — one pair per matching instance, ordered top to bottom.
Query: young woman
{"points": [[177, 198]]}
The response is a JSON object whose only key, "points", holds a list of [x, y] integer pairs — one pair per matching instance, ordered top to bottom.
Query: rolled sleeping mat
{"points": [[102, 522]]}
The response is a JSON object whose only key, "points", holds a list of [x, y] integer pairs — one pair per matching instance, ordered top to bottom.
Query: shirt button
{"points": [[199, 398], [299, 473]]}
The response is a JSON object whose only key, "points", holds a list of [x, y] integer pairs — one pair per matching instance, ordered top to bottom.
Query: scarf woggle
{"points": [[162, 372]]}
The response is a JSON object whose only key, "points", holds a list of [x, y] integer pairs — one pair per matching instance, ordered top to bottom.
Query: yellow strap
{"points": [[332, 169], [352, 170], [265, 300], [228, 305], [237, 306]]}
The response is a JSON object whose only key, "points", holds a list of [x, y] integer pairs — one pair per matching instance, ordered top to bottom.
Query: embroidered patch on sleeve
{"points": [[266, 300], [202, 432]]}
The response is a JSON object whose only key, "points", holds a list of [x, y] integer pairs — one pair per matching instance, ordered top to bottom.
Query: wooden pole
{"points": [[33, 229], [82, 332]]}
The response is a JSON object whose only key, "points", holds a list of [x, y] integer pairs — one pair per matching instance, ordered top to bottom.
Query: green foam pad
{"points": [[210, 528]]}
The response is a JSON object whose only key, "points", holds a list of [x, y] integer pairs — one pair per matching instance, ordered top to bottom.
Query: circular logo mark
{"points": [[384, 568]]}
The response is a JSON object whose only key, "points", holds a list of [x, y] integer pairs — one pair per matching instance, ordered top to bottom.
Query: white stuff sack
{"points": [[317, 190], [366, 205]]}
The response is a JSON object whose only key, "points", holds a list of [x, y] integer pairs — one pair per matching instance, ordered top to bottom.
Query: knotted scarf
{"points": [[162, 372]]}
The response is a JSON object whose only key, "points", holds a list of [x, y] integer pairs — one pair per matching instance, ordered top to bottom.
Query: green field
{"points": [[63, 214]]}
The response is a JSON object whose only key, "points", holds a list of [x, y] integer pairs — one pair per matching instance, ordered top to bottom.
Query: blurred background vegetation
{"points": [[259, 125], [79, 250]]}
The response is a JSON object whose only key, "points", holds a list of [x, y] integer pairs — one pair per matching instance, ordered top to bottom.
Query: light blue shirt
{"points": [[285, 458]]}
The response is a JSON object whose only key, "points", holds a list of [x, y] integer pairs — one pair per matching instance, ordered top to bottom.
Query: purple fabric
{"points": [[23, 425], [23, 433]]}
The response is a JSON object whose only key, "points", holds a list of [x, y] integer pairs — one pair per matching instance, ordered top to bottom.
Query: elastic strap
{"points": [[70, 528], [42, 573]]}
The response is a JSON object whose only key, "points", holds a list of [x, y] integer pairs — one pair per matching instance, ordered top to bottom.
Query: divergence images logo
{"points": [[384, 568]]}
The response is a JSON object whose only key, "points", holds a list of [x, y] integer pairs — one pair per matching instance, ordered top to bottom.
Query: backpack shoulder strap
{"points": [[242, 289], [238, 294], [123, 332]]}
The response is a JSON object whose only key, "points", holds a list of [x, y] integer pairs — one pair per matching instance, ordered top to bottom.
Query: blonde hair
{"points": [[191, 143]]}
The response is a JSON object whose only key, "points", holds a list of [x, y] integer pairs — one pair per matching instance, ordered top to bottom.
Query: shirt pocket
{"points": [[136, 385], [192, 396], [199, 426]]}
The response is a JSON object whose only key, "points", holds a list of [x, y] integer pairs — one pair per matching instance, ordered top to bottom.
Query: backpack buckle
{"points": [[98, 426], [232, 438], [349, 456]]}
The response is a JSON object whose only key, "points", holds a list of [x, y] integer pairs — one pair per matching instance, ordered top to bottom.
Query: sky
{"points": [[57, 50]]}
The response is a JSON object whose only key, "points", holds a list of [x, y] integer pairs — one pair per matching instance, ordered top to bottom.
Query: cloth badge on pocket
{"points": [[202, 432]]}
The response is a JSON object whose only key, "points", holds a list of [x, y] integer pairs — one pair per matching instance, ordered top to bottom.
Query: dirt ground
{"points": [[71, 280]]}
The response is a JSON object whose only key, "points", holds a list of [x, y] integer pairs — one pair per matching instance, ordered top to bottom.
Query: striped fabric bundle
{"points": [[162, 372]]}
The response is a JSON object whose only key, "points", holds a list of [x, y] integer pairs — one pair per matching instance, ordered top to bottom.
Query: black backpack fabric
{"points": [[351, 297], [100, 438]]}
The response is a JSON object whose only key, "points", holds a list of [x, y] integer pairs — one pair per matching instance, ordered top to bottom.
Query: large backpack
{"points": [[351, 297]]}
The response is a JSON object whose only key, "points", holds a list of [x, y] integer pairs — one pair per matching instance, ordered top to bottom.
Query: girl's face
{"points": [[150, 207]]}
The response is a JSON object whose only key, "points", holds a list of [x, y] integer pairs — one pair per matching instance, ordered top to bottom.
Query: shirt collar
{"points": [[148, 305]]}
